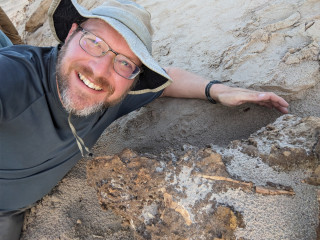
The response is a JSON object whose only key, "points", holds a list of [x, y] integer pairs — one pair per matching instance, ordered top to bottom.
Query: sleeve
{"points": [[17, 88], [134, 102]]}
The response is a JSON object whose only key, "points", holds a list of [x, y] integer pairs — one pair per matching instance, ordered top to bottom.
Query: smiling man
{"points": [[92, 76], [55, 102]]}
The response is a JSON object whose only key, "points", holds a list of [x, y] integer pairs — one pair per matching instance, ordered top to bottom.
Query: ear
{"points": [[72, 29]]}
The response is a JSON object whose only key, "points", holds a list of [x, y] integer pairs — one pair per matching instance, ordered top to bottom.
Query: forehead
{"points": [[101, 26], [115, 41]]}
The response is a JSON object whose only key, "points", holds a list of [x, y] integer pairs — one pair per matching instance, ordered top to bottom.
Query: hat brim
{"points": [[63, 13]]}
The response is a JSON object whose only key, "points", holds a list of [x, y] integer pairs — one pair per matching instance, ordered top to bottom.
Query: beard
{"points": [[71, 101]]}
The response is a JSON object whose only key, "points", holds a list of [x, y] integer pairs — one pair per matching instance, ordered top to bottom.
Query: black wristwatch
{"points": [[207, 91]]}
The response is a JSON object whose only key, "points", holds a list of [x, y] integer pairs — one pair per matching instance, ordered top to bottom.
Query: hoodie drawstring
{"points": [[82, 147]]}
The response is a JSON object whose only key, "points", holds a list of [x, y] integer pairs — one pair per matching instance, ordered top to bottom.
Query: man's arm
{"points": [[189, 85]]}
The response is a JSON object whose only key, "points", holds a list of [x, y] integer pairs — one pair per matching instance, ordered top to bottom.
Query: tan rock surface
{"points": [[38, 18], [271, 45], [179, 195]]}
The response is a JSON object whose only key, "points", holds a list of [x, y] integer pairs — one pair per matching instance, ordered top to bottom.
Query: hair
{"points": [[80, 20]]}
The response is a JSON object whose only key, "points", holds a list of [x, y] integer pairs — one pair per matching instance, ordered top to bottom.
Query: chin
{"points": [[87, 111]]}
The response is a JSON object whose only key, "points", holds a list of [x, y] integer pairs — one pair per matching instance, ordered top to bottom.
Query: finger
{"points": [[273, 98], [271, 102], [266, 104], [275, 105], [283, 110]]}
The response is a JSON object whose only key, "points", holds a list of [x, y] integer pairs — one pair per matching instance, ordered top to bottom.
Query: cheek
{"points": [[72, 51], [71, 62], [125, 84], [121, 87]]}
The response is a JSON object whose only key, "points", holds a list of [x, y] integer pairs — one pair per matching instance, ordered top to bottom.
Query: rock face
{"points": [[38, 18], [265, 44], [270, 45], [288, 144], [196, 193], [148, 194]]}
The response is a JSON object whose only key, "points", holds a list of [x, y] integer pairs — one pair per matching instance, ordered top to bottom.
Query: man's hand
{"points": [[189, 85], [230, 96]]}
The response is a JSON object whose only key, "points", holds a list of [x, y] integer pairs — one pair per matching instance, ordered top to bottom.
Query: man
{"points": [[55, 102]]}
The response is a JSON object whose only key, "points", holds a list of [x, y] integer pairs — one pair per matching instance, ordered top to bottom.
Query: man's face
{"points": [[89, 84]]}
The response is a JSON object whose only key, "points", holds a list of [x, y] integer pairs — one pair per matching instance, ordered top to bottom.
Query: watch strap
{"points": [[207, 90]]}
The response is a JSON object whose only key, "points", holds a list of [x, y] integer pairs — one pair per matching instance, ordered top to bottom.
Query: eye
{"points": [[95, 41], [125, 63]]}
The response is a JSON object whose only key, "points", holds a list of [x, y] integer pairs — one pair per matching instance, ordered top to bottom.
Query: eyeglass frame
{"points": [[84, 31]]}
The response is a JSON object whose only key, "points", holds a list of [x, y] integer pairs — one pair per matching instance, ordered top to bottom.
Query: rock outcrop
{"points": [[39, 17], [269, 45], [182, 195]]}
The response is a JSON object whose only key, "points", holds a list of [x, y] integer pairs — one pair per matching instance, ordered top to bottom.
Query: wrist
{"points": [[210, 96]]}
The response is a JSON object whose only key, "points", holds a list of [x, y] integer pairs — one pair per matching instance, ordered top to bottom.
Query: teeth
{"points": [[88, 83]]}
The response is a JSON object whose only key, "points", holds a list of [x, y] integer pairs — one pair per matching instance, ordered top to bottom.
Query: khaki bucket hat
{"points": [[130, 20]]}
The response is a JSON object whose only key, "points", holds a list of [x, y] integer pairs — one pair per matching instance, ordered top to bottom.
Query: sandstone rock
{"points": [[38, 18], [269, 45], [249, 46], [289, 143], [148, 194], [176, 195]]}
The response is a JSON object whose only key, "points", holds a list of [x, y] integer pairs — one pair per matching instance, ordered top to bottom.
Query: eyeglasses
{"points": [[96, 47]]}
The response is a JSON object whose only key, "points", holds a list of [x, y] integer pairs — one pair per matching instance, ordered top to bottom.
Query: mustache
{"points": [[100, 81]]}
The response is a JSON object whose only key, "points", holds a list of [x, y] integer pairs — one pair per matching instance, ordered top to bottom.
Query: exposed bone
{"points": [[257, 189]]}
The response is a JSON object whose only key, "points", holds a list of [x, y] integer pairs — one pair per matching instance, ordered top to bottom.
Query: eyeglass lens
{"points": [[96, 47]]}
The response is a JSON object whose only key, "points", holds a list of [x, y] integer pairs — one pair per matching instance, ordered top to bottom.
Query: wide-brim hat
{"points": [[130, 20]]}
